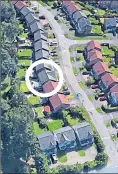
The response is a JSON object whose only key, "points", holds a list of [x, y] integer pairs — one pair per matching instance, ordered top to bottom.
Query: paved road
{"points": [[96, 118]]}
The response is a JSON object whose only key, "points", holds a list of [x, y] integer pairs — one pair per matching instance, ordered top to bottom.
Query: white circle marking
{"points": [[49, 94]]}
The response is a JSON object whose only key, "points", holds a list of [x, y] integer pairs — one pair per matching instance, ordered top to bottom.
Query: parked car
{"points": [[34, 8], [42, 17], [56, 18], [54, 54], [94, 86], [66, 92], [101, 94], [102, 98], [116, 125], [54, 158]]}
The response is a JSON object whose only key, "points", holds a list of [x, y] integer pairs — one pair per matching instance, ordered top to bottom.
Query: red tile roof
{"points": [[14, 2], [67, 2], [20, 4], [72, 8], [43, 21], [93, 45], [94, 54], [100, 67], [108, 79], [49, 86], [114, 88], [57, 100], [47, 109]]}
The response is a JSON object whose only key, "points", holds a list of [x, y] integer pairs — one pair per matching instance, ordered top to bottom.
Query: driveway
{"points": [[96, 118]]}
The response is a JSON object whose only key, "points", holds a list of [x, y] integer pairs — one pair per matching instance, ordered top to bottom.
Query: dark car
{"points": [[56, 18], [94, 86], [66, 92], [102, 98]]}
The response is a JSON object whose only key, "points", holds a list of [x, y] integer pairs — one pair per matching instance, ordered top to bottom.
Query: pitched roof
{"points": [[14, 2], [67, 2], [20, 4], [72, 8], [26, 10], [78, 15], [31, 18], [109, 22], [36, 26], [38, 35], [41, 44], [93, 45], [40, 54], [94, 54], [42, 67], [100, 67], [46, 75], [108, 79], [49, 86], [114, 89], [58, 99], [83, 130], [64, 134], [46, 140]]}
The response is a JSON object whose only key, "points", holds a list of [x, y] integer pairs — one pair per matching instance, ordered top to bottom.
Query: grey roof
{"points": [[26, 10], [78, 15], [31, 18], [109, 22], [36, 26], [38, 36], [41, 44], [41, 54], [42, 66], [46, 75], [83, 130], [64, 134], [46, 140]]}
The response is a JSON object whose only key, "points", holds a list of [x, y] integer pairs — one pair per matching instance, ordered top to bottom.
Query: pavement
{"points": [[96, 118]]}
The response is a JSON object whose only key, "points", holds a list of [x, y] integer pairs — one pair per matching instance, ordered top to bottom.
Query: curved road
{"points": [[96, 118]]}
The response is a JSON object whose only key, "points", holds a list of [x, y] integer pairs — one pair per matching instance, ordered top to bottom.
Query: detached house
{"points": [[65, 4], [19, 5], [110, 24], [93, 45], [93, 57], [100, 69], [108, 81], [49, 86], [113, 95], [58, 102], [84, 134], [65, 138], [47, 143]]}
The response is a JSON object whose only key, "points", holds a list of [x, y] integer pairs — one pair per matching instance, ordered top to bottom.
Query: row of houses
{"points": [[110, 4], [77, 18], [100, 71], [45, 74], [66, 138]]}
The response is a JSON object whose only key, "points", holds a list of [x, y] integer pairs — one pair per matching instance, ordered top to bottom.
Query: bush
{"points": [[99, 143]]}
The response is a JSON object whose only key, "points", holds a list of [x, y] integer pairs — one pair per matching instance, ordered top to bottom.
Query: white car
{"points": [[54, 158]]}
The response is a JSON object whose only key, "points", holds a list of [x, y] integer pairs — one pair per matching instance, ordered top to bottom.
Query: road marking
{"points": [[105, 138]]}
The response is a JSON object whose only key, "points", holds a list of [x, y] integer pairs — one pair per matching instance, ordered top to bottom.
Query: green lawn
{"points": [[86, 12], [100, 12], [92, 19], [59, 21], [21, 26], [96, 29], [24, 35], [50, 35], [52, 48], [80, 48], [70, 49], [107, 51], [25, 53], [54, 57], [81, 58], [72, 59], [107, 59], [25, 62], [75, 70], [114, 71], [21, 73], [82, 85], [23, 87], [70, 97], [91, 97], [33, 100], [99, 110], [39, 111], [72, 121], [55, 124], [108, 124], [37, 129], [114, 137], [81, 153], [63, 158]]}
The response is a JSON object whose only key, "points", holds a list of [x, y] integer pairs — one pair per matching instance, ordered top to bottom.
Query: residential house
{"points": [[14, 2], [65, 4], [110, 4], [19, 5], [71, 9], [26, 10], [30, 18], [110, 24], [36, 26], [39, 36], [41, 44], [93, 45], [41, 54], [93, 57], [116, 57], [41, 67], [100, 69], [46, 75], [108, 81], [50, 86], [112, 95], [58, 102], [84, 134], [65, 138], [47, 143]]}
